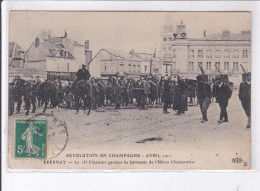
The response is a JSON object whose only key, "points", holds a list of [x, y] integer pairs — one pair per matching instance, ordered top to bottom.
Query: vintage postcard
{"points": [[129, 90]]}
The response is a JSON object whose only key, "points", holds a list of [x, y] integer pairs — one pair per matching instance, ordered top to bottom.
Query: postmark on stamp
{"points": [[30, 138]]}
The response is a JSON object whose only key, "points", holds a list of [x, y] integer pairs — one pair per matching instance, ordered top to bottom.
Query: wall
{"points": [[60, 65], [40, 66]]}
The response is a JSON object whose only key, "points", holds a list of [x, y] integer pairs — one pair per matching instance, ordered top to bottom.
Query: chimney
{"points": [[204, 34], [37, 42], [86, 45], [88, 54]]}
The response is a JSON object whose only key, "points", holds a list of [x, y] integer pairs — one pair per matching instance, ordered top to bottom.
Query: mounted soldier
{"points": [[82, 74], [245, 95]]}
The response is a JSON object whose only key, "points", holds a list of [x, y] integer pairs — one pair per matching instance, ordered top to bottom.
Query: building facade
{"points": [[215, 53], [16, 55], [58, 56], [117, 63]]}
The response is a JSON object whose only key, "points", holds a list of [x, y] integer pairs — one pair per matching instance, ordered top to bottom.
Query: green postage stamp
{"points": [[30, 138]]}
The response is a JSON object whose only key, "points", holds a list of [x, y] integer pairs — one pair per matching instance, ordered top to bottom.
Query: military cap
{"points": [[246, 76]]}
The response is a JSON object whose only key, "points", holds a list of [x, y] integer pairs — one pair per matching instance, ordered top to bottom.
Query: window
{"points": [[164, 38], [164, 48], [170, 48], [174, 53], [191, 54], [200, 54], [209, 54], [218, 54], [227, 54], [245, 54], [235, 55], [200, 64], [217, 65], [226, 65], [112, 66], [168, 66], [191, 66], [208, 66], [235, 66], [68, 67], [105, 67], [121, 67], [129, 68], [134, 68], [138, 69], [145, 69]]}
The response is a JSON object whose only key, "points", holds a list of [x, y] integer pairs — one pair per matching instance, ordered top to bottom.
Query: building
{"points": [[225, 51], [16, 55], [57, 56], [155, 62], [118, 63]]}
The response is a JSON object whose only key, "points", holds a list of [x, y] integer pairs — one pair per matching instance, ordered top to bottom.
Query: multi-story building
{"points": [[223, 52], [58, 56], [117, 63]]}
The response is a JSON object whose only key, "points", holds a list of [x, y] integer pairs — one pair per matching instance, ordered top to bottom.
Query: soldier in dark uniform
{"points": [[83, 74], [18, 89], [142, 93], [117, 94], [223, 94], [166, 95], [204, 95], [245, 96], [180, 97]]}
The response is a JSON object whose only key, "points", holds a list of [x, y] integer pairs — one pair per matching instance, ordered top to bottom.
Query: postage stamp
{"points": [[30, 138]]}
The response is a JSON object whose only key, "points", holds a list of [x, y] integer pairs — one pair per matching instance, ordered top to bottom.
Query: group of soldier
{"points": [[150, 89]]}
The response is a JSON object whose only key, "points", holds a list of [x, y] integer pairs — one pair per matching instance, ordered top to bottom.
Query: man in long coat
{"points": [[223, 94], [166, 95], [204, 95], [245, 96], [180, 97]]}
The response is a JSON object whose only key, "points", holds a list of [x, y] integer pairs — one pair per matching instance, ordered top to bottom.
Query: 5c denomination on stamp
{"points": [[30, 138]]}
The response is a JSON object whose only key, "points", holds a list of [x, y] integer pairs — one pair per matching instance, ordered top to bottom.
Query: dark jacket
{"points": [[83, 74], [204, 90], [244, 91], [223, 92]]}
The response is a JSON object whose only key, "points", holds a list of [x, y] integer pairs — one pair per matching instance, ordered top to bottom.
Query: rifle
{"points": [[243, 68], [201, 69], [218, 70]]}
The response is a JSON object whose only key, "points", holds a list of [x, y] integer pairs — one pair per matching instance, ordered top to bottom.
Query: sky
{"points": [[120, 30]]}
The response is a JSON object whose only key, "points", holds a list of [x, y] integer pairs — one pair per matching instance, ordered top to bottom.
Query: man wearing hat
{"points": [[83, 74], [223, 94], [204, 95], [245, 96]]}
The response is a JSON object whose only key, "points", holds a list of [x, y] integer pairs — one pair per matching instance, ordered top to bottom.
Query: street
{"points": [[150, 129]]}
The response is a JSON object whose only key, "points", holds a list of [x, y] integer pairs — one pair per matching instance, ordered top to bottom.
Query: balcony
{"points": [[209, 56]]}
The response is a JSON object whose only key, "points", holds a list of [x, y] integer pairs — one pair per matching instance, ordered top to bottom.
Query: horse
{"points": [[82, 90], [48, 93]]}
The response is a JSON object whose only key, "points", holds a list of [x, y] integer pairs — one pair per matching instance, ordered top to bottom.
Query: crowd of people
{"points": [[124, 91]]}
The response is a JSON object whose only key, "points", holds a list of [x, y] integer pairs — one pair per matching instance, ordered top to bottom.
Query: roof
{"points": [[246, 36], [15, 50], [123, 54], [147, 56]]}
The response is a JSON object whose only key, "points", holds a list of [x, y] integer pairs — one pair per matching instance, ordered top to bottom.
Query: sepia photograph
{"points": [[129, 90]]}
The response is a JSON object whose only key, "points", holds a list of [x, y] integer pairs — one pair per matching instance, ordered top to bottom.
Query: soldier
{"points": [[83, 74], [18, 85], [142, 93], [117, 94], [223, 94], [166, 95], [204, 95], [245, 96], [180, 97]]}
